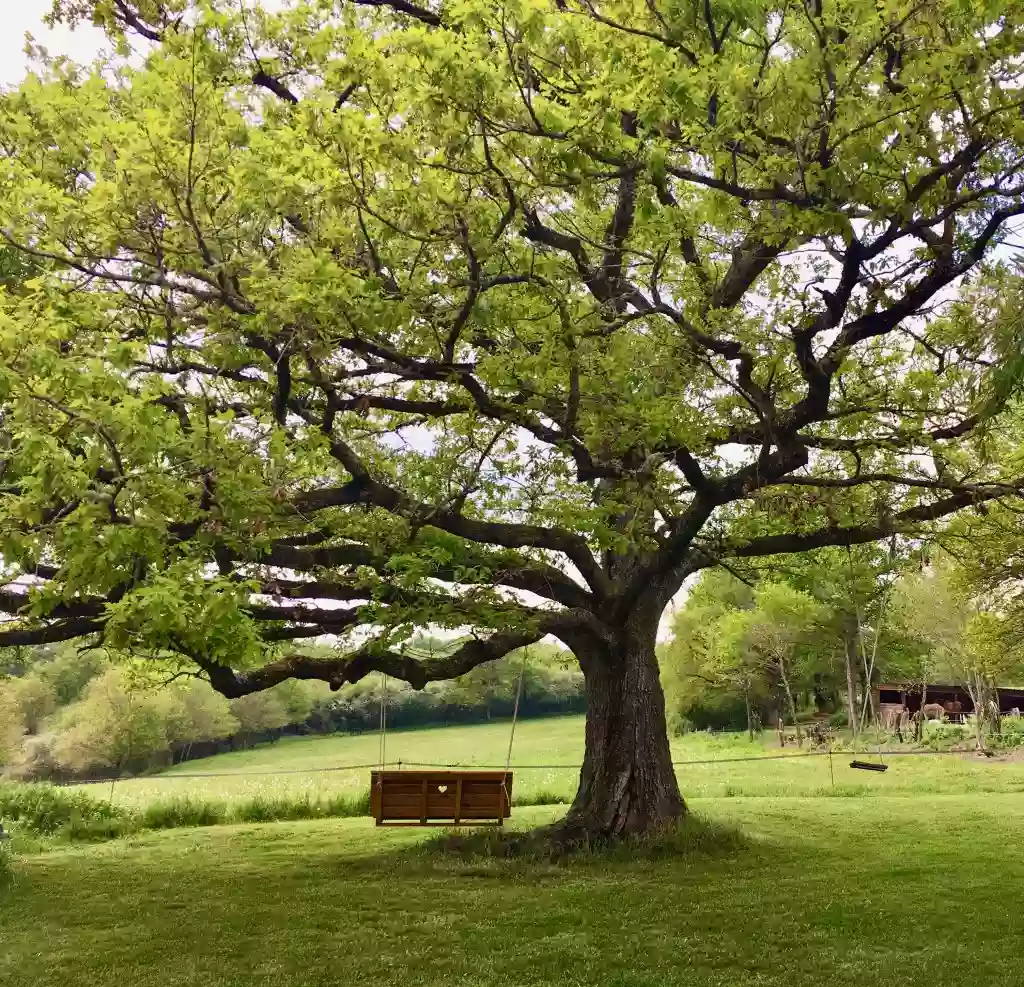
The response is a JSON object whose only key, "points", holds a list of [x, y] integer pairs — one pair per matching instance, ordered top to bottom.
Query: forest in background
{"points": [[801, 639], [787, 643], [69, 714]]}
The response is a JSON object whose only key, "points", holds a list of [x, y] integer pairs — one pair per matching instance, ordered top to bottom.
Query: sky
{"points": [[19, 16]]}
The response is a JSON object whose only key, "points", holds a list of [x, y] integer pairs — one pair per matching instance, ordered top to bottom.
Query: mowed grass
{"points": [[309, 766], [910, 891]]}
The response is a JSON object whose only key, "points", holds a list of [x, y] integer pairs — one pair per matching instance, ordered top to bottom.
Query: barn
{"points": [[907, 694]]}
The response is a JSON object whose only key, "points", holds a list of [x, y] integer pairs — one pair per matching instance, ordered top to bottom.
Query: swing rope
{"points": [[869, 668], [515, 710], [382, 734], [512, 734], [382, 744]]}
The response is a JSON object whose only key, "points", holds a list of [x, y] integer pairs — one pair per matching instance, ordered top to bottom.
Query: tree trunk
{"points": [[850, 654], [977, 693], [792, 703], [868, 708], [750, 717], [627, 784]]}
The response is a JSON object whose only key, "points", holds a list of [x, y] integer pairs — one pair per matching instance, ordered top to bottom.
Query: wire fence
{"points": [[880, 754]]}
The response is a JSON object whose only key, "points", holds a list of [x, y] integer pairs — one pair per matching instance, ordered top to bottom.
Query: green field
{"points": [[300, 766], [913, 878], [915, 891]]}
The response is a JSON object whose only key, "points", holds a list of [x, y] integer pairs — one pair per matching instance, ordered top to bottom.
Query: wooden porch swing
{"points": [[435, 796]]}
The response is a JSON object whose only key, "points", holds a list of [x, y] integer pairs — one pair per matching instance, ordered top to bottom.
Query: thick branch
{"points": [[901, 522], [358, 664]]}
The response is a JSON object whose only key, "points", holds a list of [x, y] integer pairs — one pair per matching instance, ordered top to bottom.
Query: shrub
{"points": [[679, 724], [940, 736], [1010, 736], [349, 806], [262, 809], [46, 810], [174, 813], [81, 830]]}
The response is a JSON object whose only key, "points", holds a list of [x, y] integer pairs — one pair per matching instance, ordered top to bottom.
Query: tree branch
{"points": [[371, 658]]}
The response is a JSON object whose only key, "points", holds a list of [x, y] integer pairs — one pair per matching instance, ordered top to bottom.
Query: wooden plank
{"points": [[441, 797], [378, 802], [443, 823]]}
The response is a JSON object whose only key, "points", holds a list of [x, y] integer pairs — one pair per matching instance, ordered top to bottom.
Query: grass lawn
{"points": [[309, 764], [894, 890]]}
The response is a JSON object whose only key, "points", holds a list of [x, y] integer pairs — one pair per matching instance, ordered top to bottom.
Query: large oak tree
{"points": [[500, 315]]}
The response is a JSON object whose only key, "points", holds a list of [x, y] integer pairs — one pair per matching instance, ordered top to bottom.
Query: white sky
{"points": [[19, 16]]}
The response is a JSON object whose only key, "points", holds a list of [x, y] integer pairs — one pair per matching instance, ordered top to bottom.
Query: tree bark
{"points": [[976, 690], [792, 702], [627, 783]]}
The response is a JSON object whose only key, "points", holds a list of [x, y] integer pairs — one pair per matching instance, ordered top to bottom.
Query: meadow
{"points": [[298, 767], [912, 877], [781, 891]]}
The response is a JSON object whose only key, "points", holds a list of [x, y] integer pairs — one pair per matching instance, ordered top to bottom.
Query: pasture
{"points": [[301, 766], [904, 877], [915, 891]]}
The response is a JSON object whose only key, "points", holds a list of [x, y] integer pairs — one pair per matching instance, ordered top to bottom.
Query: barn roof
{"points": [[1006, 691]]}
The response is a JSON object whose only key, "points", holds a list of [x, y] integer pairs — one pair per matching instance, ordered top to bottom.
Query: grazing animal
{"points": [[933, 711], [1014, 713], [896, 719], [819, 734]]}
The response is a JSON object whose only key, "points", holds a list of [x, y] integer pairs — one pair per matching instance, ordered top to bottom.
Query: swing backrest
{"points": [[439, 797]]}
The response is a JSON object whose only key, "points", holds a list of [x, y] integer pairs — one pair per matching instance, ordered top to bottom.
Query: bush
{"points": [[679, 724], [940, 736], [1010, 736], [261, 809], [46, 810], [180, 812], [81, 830]]}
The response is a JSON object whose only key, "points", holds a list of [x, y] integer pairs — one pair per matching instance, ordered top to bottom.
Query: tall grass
{"points": [[45, 810], [6, 868]]}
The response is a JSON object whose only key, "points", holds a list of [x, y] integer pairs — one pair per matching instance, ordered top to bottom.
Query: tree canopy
{"points": [[352, 317]]}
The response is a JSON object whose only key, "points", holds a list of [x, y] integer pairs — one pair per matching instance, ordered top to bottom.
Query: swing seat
{"points": [[869, 766], [440, 797]]}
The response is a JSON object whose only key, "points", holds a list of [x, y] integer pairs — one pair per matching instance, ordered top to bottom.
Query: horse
{"points": [[954, 710], [934, 711], [896, 719]]}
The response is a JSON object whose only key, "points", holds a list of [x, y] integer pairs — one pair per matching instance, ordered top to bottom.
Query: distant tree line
{"points": [[797, 640], [66, 715]]}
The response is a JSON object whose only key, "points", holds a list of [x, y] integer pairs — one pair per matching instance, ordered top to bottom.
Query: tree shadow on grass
{"points": [[694, 842]]}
